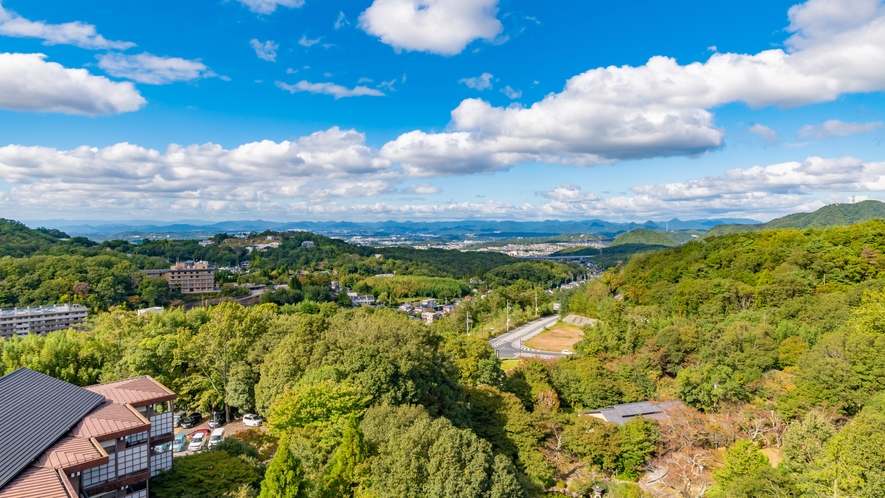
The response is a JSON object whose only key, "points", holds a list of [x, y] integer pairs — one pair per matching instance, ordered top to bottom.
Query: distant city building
{"points": [[206, 242], [307, 243], [188, 277], [335, 285], [429, 303], [406, 308], [448, 308], [24, 321], [64, 441]]}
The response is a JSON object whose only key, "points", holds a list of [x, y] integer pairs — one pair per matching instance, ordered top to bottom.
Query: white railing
{"points": [[137, 494]]}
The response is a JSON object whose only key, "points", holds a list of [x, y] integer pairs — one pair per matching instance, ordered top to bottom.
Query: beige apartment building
{"points": [[189, 277]]}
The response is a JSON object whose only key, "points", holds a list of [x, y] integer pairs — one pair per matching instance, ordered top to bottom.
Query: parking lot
{"points": [[229, 429]]}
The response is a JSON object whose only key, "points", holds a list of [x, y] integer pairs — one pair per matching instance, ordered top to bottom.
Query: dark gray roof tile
{"points": [[36, 411]]}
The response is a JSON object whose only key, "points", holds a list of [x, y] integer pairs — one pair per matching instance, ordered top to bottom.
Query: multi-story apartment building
{"points": [[189, 277], [24, 321], [64, 441]]}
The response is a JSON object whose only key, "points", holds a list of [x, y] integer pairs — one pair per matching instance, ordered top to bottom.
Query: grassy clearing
{"points": [[558, 338], [508, 365]]}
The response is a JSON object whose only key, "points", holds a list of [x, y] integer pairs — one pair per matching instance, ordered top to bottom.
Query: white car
{"points": [[566, 351], [252, 420], [216, 437], [197, 443]]}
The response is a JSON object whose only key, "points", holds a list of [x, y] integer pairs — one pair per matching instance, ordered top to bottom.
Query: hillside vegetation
{"points": [[827, 216], [644, 236], [787, 321]]}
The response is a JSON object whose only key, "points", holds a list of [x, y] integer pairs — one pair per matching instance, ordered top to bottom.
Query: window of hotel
{"points": [[134, 439], [132, 460], [98, 475]]}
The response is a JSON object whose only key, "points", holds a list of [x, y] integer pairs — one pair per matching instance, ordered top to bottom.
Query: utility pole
{"points": [[536, 303], [508, 316], [468, 323]]}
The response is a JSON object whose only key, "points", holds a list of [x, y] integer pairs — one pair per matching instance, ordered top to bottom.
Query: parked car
{"points": [[567, 352], [176, 419], [191, 420], [216, 420], [252, 420], [205, 432], [216, 437], [198, 442], [179, 443], [163, 448]]}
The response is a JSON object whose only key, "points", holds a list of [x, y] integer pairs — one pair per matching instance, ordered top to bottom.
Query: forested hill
{"points": [[827, 216], [644, 236], [18, 240], [788, 323]]}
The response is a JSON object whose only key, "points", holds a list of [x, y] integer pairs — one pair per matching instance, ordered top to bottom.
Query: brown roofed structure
{"points": [[136, 392], [108, 421], [96, 440], [73, 454], [44, 482]]}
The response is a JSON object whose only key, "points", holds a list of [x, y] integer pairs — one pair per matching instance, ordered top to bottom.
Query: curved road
{"points": [[510, 345]]}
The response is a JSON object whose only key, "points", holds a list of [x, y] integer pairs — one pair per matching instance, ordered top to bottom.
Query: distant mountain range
{"points": [[827, 216], [101, 230]]}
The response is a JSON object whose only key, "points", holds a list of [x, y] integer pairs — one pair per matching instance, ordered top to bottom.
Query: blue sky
{"points": [[438, 109]]}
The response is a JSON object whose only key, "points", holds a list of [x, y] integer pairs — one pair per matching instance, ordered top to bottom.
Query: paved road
{"points": [[510, 345]]}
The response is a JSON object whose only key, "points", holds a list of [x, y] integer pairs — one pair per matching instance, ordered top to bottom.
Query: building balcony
{"points": [[161, 424]]}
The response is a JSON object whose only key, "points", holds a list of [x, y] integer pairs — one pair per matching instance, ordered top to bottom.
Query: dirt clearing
{"points": [[558, 338]]}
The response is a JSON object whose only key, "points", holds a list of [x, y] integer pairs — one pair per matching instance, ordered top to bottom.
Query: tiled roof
{"points": [[135, 391], [36, 411], [108, 420], [69, 452], [36, 481]]}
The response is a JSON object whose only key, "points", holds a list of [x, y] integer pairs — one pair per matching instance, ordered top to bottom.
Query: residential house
{"points": [[431, 316]]}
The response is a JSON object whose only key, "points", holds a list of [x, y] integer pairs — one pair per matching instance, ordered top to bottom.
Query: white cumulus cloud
{"points": [[269, 6], [438, 26], [74, 33], [307, 42], [265, 51], [153, 70], [481, 82], [29, 83], [337, 91], [511, 93], [661, 108], [836, 128], [764, 132], [254, 177], [423, 189], [569, 193]]}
